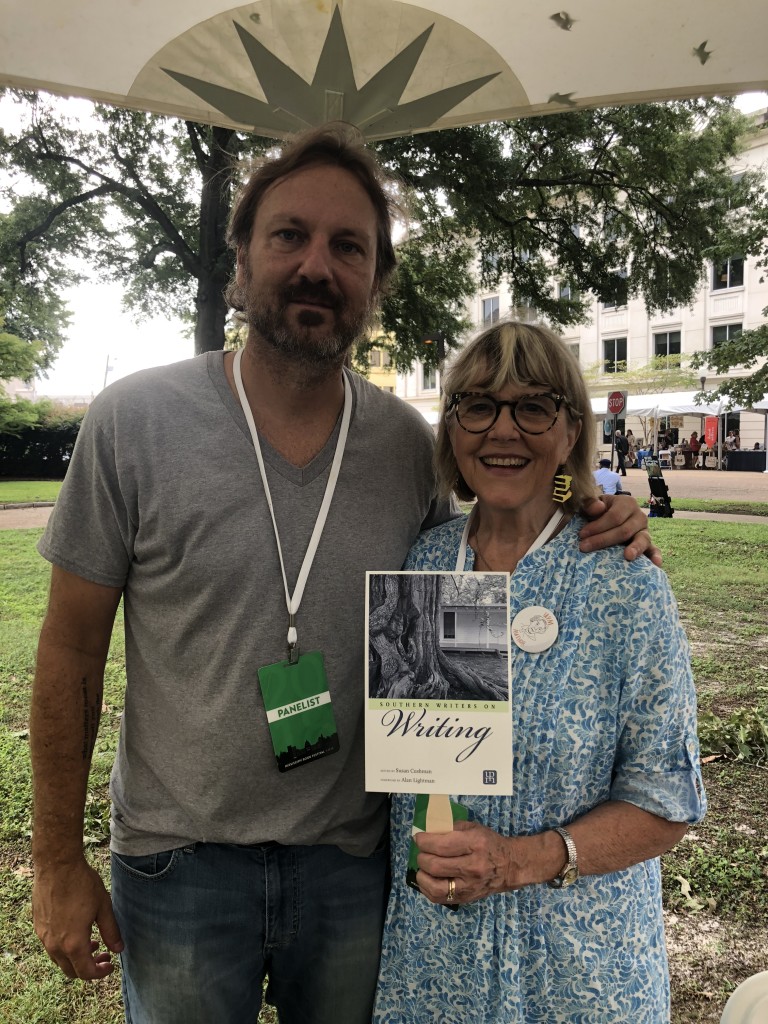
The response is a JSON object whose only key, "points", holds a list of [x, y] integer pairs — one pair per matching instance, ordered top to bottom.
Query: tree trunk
{"points": [[216, 261], [211, 314], [405, 657]]}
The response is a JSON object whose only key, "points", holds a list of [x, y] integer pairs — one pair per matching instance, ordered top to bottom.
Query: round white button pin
{"points": [[534, 629]]}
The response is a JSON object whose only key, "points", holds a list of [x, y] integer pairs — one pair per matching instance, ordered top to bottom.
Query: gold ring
{"points": [[451, 890]]}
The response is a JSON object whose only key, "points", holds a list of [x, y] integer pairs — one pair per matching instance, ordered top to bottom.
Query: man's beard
{"points": [[306, 344]]}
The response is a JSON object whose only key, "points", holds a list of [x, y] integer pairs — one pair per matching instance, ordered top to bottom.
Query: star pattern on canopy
{"points": [[293, 103]]}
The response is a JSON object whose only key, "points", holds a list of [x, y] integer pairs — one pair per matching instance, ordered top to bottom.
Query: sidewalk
{"points": [[682, 483], [704, 484]]}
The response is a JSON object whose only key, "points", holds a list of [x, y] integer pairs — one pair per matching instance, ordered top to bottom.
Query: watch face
{"points": [[570, 875]]}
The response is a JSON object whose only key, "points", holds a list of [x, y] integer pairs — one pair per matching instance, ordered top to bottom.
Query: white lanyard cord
{"points": [[543, 537], [293, 602]]}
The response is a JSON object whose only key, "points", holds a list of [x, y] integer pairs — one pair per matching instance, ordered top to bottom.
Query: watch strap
{"points": [[570, 871]]}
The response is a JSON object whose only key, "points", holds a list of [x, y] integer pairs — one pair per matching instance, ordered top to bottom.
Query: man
{"points": [[622, 448], [606, 479], [226, 869]]}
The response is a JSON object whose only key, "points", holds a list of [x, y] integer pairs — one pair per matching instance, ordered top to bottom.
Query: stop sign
{"points": [[616, 402]]}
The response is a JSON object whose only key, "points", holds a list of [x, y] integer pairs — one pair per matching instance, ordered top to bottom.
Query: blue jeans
{"points": [[204, 924]]}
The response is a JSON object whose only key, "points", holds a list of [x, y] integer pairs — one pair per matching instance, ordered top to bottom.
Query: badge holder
{"points": [[299, 711]]}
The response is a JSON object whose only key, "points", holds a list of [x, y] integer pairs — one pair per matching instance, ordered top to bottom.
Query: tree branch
{"points": [[53, 214]]}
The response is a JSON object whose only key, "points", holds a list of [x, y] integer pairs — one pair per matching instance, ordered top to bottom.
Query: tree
{"points": [[645, 188], [147, 197], [31, 307], [748, 349], [18, 358], [661, 373], [37, 438], [405, 658]]}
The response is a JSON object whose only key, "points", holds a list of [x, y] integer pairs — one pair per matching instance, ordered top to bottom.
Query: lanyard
{"points": [[543, 537], [293, 602]]}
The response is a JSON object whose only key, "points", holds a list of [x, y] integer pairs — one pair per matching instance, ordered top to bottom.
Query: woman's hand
{"points": [[618, 519], [481, 862]]}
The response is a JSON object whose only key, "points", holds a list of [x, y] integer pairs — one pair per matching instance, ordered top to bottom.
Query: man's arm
{"points": [[624, 522], [68, 895]]}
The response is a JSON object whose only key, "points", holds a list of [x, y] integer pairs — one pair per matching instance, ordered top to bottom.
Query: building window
{"points": [[729, 274], [618, 290], [566, 292], [491, 310], [725, 332], [667, 344], [576, 349], [614, 355], [375, 357], [386, 359], [429, 378], [449, 625]]}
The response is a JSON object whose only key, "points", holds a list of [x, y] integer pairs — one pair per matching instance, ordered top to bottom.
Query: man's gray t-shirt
{"points": [[164, 498]]}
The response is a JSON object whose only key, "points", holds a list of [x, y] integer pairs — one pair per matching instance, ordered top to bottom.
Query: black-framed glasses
{"points": [[477, 412]]}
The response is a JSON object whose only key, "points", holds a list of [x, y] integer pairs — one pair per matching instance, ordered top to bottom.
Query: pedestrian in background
{"points": [[608, 481]]}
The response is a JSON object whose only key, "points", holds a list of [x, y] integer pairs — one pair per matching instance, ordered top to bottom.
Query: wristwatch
{"points": [[570, 872]]}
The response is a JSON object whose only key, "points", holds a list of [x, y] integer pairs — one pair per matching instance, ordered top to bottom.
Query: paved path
{"points": [[682, 483], [704, 483], [23, 518]]}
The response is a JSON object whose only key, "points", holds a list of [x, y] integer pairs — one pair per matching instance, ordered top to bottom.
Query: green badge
{"points": [[299, 711]]}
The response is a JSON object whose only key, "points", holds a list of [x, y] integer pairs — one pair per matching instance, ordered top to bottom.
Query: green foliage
{"points": [[648, 188], [140, 198], [146, 199], [433, 280], [31, 307], [749, 349], [18, 358], [660, 373], [16, 416], [40, 441], [742, 735], [716, 881]]}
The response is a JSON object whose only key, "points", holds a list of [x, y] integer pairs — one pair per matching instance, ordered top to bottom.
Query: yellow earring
{"points": [[561, 488]]}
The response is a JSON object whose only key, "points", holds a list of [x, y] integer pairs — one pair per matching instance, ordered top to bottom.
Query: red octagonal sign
{"points": [[616, 403]]}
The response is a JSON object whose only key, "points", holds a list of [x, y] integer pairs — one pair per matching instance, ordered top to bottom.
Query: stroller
{"points": [[660, 502]]}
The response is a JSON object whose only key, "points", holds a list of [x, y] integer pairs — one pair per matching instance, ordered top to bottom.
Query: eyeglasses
{"points": [[477, 412]]}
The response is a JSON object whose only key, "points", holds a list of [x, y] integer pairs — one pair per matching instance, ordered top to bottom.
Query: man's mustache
{"points": [[308, 292]]}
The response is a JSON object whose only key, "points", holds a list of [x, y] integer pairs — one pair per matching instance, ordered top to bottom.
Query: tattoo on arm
{"points": [[90, 719]]}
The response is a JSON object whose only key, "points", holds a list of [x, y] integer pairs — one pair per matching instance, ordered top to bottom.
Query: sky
{"points": [[105, 343]]}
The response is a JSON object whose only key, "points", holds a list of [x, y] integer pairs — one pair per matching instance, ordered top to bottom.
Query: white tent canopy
{"points": [[392, 68], [674, 403]]}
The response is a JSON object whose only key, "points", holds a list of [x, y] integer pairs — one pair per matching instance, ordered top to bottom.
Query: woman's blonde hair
{"points": [[527, 356]]}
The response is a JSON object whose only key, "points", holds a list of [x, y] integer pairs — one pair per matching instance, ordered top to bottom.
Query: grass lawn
{"points": [[17, 491], [724, 507], [715, 881]]}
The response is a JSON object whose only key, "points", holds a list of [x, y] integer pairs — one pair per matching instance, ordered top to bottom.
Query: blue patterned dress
{"points": [[607, 713]]}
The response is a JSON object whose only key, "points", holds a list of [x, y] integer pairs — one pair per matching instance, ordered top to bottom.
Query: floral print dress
{"points": [[607, 713]]}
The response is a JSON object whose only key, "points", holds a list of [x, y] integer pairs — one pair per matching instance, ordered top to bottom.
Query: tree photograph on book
{"points": [[438, 636]]}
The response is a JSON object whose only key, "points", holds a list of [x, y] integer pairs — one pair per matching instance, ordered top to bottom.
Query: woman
{"points": [[631, 457], [552, 926]]}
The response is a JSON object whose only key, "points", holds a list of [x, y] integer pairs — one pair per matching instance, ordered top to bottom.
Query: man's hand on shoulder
{"points": [[618, 519], [67, 900]]}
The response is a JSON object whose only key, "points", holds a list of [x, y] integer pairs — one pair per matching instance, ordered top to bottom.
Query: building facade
{"points": [[731, 298]]}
